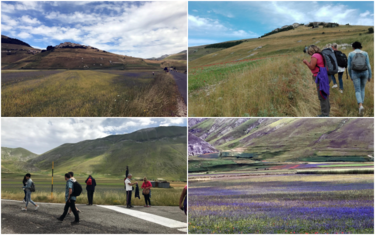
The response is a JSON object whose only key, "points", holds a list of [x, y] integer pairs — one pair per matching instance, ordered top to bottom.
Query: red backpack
{"points": [[89, 181]]}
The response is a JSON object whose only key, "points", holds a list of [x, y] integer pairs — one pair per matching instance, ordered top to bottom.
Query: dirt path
{"points": [[181, 81]]}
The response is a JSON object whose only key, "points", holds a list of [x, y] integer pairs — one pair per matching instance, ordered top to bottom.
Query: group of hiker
{"points": [[324, 64], [73, 189]]}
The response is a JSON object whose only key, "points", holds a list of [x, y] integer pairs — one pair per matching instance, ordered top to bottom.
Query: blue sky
{"points": [[213, 22], [139, 29], [39, 135]]}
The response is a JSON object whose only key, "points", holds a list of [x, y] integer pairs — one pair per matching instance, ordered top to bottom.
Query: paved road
{"points": [[181, 80], [94, 219]]}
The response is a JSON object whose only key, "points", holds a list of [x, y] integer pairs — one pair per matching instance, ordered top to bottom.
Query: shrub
{"points": [[370, 30], [323, 33]]}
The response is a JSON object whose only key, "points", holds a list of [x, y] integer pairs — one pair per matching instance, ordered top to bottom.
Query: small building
{"points": [[164, 184]]}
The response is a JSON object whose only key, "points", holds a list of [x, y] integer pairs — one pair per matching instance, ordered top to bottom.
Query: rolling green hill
{"points": [[290, 139], [154, 152], [14, 159]]}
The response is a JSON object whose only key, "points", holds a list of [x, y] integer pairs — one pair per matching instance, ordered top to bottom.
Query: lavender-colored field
{"points": [[8, 78], [283, 204]]}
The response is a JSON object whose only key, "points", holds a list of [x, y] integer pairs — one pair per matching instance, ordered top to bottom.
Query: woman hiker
{"points": [[317, 62], [359, 69], [146, 185], [27, 188]]}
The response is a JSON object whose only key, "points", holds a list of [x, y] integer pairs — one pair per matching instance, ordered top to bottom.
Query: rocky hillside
{"points": [[66, 55], [289, 139], [197, 146], [154, 152]]}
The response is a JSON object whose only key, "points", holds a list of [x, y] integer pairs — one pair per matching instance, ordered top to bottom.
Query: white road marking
{"points": [[170, 223], [182, 230]]}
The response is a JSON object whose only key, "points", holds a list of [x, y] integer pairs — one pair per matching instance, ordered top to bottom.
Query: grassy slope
{"points": [[279, 85], [65, 94], [295, 139], [154, 153], [13, 159]]}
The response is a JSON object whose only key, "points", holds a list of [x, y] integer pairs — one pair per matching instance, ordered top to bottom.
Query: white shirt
{"points": [[341, 69], [128, 187]]}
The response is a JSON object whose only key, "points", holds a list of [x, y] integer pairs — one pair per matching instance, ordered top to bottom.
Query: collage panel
{"points": [[94, 59], [281, 59], [94, 175], [281, 175]]}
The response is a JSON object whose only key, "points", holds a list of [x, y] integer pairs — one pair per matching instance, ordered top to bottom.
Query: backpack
{"points": [[341, 58], [330, 61], [359, 62], [89, 181], [32, 188], [77, 189]]}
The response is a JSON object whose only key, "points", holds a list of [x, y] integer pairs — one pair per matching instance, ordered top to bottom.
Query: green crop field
{"points": [[246, 80], [79, 93], [109, 191]]}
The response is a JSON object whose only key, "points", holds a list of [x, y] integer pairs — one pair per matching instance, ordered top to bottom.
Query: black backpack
{"points": [[341, 58], [32, 188], [77, 189]]}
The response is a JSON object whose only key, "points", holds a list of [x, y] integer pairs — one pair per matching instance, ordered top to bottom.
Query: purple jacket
{"points": [[323, 81]]}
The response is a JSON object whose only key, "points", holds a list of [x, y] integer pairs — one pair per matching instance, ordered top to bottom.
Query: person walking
{"points": [[342, 62], [317, 64], [359, 69], [73, 180], [146, 185], [29, 188], [90, 188], [129, 189], [24, 190], [183, 200], [69, 201]]}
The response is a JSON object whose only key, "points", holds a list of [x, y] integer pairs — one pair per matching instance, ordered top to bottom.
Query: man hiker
{"points": [[342, 62], [73, 180], [29, 188], [90, 188], [129, 189], [69, 200]]}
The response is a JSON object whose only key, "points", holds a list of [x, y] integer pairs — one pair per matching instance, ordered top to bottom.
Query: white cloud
{"points": [[26, 19], [199, 26], [146, 29], [24, 35], [42, 134]]}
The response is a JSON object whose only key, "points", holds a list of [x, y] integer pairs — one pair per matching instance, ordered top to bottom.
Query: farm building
{"points": [[160, 184]]}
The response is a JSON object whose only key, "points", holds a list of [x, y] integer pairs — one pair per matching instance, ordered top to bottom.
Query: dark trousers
{"points": [[325, 106], [25, 195], [90, 196], [129, 198], [147, 199], [72, 205]]}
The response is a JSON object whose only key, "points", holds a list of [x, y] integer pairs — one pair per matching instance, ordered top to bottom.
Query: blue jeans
{"points": [[340, 80], [359, 81], [28, 198]]}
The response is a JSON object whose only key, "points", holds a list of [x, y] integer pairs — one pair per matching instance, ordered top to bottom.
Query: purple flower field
{"points": [[283, 204]]}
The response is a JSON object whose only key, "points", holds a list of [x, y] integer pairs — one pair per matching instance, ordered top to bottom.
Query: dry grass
{"points": [[275, 86], [90, 93], [167, 197]]}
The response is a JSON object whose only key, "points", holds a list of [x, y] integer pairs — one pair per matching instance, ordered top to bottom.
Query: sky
{"points": [[213, 22], [138, 29], [40, 135]]}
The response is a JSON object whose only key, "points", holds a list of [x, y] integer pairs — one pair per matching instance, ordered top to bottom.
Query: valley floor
{"points": [[79, 93], [268, 204]]}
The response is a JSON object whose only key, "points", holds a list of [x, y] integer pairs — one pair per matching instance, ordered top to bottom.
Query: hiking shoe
{"points": [[334, 86], [341, 91], [361, 110], [321, 115], [145, 205], [131, 206], [149, 206], [37, 207], [23, 209], [59, 219], [74, 223]]}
